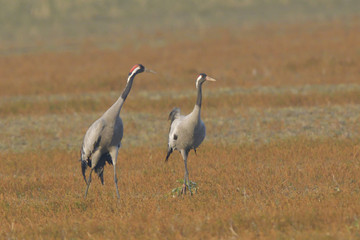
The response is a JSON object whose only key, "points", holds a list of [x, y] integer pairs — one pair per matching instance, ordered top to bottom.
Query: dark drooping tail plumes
{"points": [[170, 150], [84, 165], [99, 168]]}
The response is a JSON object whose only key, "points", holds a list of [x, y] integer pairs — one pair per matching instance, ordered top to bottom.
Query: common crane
{"points": [[187, 132], [103, 139]]}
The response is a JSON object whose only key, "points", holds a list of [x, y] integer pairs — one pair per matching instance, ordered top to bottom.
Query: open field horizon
{"points": [[281, 158]]}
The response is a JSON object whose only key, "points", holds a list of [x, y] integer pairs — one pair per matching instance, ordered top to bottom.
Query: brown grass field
{"points": [[281, 159]]}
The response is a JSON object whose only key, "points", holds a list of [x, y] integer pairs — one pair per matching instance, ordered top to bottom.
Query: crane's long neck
{"points": [[127, 87], [197, 108], [115, 109]]}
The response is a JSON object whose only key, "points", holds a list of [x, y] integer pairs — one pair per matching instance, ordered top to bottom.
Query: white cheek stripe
{"points": [[133, 72], [197, 81]]}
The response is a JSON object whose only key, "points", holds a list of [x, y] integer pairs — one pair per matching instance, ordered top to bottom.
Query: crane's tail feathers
{"points": [[174, 114], [170, 150], [83, 169], [99, 169], [101, 176]]}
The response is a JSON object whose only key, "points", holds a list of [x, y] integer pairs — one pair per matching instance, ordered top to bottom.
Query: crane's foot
{"points": [[191, 187], [183, 190]]}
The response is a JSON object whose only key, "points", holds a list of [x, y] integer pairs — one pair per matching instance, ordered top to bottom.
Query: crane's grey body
{"points": [[187, 132], [105, 134], [103, 139]]}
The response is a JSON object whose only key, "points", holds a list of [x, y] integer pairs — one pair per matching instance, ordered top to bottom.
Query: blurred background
{"points": [[32, 25]]}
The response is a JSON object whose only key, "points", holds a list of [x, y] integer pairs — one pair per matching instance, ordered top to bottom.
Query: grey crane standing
{"points": [[187, 132], [103, 139]]}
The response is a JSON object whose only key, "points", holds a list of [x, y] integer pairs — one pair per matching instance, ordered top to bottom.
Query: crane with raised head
{"points": [[187, 132], [103, 138]]}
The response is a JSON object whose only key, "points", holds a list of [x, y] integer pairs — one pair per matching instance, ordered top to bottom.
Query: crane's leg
{"points": [[184, 154], [113, 155], [94, 160], [83, 169], [116, 181], [88, 182]]}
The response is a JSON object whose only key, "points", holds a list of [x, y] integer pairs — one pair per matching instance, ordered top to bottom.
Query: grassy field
{"points": [[281, 158], [296, 188]]}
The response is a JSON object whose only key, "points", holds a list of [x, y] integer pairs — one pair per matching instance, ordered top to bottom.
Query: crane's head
{"points": [[139, 68], [202, 78]]}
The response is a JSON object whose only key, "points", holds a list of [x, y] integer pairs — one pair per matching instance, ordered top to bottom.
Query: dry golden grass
{"points": [[281, 159], [298, 188]]}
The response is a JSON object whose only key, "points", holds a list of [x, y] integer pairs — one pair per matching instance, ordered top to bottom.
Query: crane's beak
{"points": [[149, 70], [210, 79]]}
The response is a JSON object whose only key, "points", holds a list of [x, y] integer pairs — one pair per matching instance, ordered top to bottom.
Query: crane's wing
{"points": [[174, 114], [92, 139], [91, 143]]}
